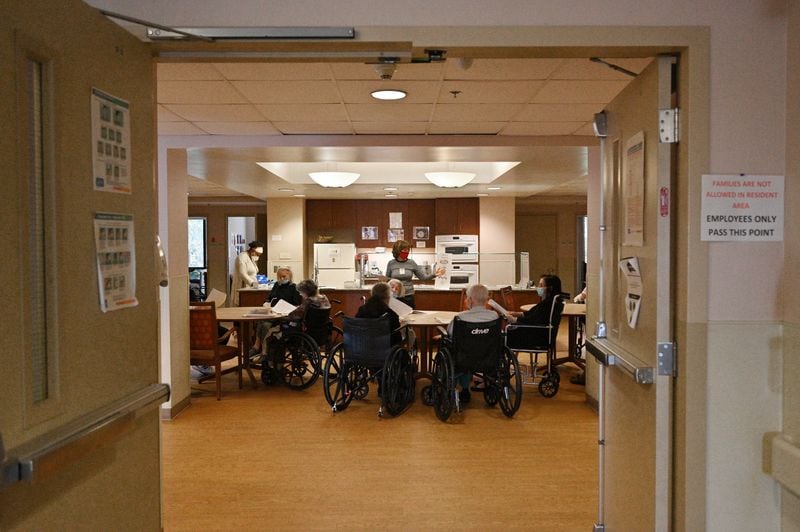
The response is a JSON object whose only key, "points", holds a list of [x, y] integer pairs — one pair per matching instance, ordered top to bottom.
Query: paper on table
{"points": [[283, 307], [400, 308], [264, 311]]}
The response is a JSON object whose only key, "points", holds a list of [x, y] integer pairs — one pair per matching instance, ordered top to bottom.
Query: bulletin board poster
{"points": [[111, 143], [633, 192], [742, 208], [116, 261]]}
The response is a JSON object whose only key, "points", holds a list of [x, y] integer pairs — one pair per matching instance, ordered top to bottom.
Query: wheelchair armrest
{"points": [[335, 301], [340, 313], [443, 332]]}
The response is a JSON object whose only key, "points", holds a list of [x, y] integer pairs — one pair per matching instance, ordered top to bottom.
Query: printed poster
{"points": [[111, 143], [633, 192], [742, 208], [116, 261], [443, 282], [633, 295]]}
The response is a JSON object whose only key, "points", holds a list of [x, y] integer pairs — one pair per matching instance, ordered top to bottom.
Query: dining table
{"points": [[576, 312], [245, 317], [424, 323]]}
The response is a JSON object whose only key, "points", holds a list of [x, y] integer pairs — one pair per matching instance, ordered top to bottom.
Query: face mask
{"points": [[403, 255], [256, 257], [283, 281], [541, 290], [394, 294]]}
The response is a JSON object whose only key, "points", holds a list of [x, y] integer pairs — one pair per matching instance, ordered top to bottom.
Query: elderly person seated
{"points": [[284, 289], [477, 296], [377, 306]]}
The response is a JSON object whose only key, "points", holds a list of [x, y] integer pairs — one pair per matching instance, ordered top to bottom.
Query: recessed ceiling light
{"points": [[389, 94], [493, 188], [390, 189], [285, 190], [481, 194], [298, 195], [391, 195]]}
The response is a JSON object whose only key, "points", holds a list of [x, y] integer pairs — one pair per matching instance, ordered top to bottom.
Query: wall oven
{"points": [[459, 248], [463, 275]]}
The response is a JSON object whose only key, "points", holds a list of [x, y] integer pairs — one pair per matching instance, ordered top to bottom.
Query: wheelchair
{"points": [[539, 340], [474, 349], [366, 355], [294, 358]]}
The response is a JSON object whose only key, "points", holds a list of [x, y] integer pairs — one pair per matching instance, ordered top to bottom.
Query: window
{"points": [[197, 243]]}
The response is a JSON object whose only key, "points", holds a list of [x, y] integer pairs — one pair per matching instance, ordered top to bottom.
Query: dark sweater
{"points": [[288, 292], [376, 308], [538, 315]]}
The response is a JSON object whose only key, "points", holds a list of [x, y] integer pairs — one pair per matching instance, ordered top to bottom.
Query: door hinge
{"points": [[669, 125], [667, 359]]}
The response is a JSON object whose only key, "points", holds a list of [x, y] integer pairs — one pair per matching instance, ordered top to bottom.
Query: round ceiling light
{"points": [[389, 94], [334, 179], [450, 179]]}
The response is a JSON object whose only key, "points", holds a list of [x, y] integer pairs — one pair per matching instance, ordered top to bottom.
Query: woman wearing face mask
{"points": [[245, 268], [404, 269], [549, 287], [284, 288]]}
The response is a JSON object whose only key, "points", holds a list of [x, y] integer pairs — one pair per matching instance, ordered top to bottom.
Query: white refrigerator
{"points": [[334, 264]]}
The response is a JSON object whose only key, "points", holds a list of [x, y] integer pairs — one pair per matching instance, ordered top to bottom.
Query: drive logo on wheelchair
{"points": [[479, 331]]}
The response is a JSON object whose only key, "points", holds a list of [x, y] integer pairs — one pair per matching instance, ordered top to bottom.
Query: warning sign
{"points": [[742, 208]]}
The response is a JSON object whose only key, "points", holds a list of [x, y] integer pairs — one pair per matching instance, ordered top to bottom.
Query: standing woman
{"points": [[245, 268], [403, 269]]}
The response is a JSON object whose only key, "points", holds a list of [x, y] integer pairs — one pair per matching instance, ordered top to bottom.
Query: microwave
{"points": [[459, 248], [463, 275]]}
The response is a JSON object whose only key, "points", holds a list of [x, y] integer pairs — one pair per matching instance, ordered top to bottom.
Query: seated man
{"points": [[477, 296], [377, 306]]}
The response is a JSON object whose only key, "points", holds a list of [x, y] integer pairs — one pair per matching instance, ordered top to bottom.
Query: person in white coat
{"points": [[245, 269]]}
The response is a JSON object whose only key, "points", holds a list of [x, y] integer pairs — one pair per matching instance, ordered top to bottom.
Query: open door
{"points": [[634, 336], [79, 382]]}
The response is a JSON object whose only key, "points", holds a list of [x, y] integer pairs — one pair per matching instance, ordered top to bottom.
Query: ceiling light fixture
{"points": [[389, 94], [334, 179], [450, 179], [493, 188], [389, 189], [285, 190], [481, 194], [298, 195], [390, 195]]}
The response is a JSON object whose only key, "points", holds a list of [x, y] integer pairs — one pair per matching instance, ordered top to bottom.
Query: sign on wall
{"points": [[111, 143], [742, 208]]}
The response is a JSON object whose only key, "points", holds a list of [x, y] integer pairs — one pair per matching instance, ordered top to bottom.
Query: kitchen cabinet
{"points": [[371, 213], [421, 213], [327, 215], [457, 216]]}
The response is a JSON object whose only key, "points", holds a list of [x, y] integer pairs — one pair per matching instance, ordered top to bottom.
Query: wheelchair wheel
{"points": [[300, 367], [335, 380], [509, 380], [397, 386], [548, 386], [443, 387]]}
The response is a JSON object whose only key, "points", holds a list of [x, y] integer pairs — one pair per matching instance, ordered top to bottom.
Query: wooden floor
{"points": [[276, 459]]}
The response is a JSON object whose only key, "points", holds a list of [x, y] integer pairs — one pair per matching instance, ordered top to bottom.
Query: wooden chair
{"points": [[205, 350]]}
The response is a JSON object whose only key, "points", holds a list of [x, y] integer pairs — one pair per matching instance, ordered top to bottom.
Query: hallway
{"points": [[279, 460]]}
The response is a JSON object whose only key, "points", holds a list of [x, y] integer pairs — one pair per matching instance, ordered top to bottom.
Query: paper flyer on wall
{"points": [[111, 143], [633, 191], [116, 260], [442, 282], [633, 295]]}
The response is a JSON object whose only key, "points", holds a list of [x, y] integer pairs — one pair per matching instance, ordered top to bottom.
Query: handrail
{"points": [[609, 355], [51, 451]]}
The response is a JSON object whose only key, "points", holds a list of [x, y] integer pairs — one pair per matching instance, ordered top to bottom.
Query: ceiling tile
{"points": [[502, 69], [590, 70], [274, 71], [403, 71], [187, 72], [288, 91], [360, 91], [489, 91], [579, 91], [197, 92], [388, 111], [298, 112], [475, 112], [554, 112], [217, 113], [165, 115], [179, 128], [238, 128], [314, 128], [390, 128], [466, 128], [541, 128]]}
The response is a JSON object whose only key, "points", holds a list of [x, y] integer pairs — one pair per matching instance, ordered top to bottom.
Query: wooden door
{"points": [[538, 235], [64, 358], [636, 382]]}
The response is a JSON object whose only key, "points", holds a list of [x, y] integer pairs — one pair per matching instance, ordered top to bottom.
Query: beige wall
{"points": [[566, 211], [286, 222]]}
